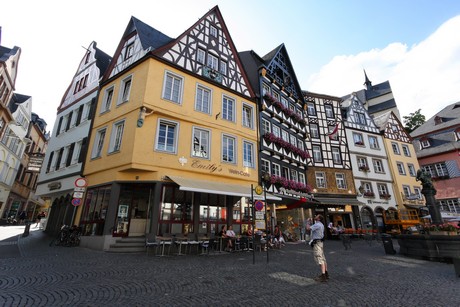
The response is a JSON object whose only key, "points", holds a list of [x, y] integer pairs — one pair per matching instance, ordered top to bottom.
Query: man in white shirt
{"points": [[316, 241]]}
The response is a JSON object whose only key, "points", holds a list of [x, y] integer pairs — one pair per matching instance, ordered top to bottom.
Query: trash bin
{"points": [[26, 229], [388, 244]]}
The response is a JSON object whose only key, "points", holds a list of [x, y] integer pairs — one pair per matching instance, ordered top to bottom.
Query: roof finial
{"points": [[367, 82]]}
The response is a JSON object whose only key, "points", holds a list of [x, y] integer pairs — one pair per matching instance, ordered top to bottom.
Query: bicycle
{"points": [[67, 236]]}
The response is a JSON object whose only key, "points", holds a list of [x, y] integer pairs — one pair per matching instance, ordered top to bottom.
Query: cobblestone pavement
{"points": [[39, 275]]}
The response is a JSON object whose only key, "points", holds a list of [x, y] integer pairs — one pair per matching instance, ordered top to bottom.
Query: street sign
{"points": [[81, 182], [77, 189], [77, 194], [76, 202], [259, 205], [259, 215]]}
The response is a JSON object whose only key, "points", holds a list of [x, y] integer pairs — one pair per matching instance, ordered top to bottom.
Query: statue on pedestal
{"points": [[429, 191]]}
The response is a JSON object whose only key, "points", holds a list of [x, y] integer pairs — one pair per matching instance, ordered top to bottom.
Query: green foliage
{"points": [[413, 121]]}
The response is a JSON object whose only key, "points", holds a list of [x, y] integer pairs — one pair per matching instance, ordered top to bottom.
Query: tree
{"points": [[413, 121]]}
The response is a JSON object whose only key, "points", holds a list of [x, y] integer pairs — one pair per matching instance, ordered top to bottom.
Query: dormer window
{"points": [[129, 51], [438, 120], [425, 143]]}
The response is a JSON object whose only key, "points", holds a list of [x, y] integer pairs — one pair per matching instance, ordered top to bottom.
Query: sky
{"points": [[413, 44]]}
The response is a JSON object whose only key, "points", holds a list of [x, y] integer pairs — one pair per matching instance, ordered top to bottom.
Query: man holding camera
{"points": [[316, 242]]}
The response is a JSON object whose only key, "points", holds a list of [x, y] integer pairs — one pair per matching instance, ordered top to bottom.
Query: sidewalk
{"points": [[361, 276]]}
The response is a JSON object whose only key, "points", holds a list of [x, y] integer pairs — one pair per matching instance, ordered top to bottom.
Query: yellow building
{"points": [[173, 146], [402, 160]]}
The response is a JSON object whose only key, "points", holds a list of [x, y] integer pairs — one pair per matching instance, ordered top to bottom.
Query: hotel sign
{"points": [[35, 162]]}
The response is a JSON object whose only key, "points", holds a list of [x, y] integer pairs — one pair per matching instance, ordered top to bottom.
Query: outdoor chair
{"points": [[151, 242]]}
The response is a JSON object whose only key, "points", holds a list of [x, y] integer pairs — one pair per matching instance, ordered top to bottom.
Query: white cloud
{"points": [[425, 76]]}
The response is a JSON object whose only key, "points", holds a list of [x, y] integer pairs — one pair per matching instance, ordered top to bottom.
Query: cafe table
{"points": [[164, 241]]}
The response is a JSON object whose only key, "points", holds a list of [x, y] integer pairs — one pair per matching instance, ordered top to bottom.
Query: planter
{"points": [[443, 233], [430, 247]]}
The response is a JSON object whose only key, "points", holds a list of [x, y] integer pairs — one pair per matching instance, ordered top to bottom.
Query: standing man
{"points": [[316, 242]]}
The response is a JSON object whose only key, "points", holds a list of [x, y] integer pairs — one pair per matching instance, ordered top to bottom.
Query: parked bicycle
{"points": [[67, 236]]}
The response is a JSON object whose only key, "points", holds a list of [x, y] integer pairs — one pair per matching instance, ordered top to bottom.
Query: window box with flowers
{"points": [[280, 107], [271, 138], [359, 143], [364, 168], [281, 182], [368, 194], [385, 196], [441, 229]]}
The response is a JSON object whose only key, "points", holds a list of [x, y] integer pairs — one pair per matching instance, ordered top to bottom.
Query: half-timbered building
{"points": [[173, 147], [283, 156], [402, 160], [330, 167], [371, 171]]}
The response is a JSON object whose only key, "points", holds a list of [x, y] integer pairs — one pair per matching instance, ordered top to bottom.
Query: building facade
{"points": [[173, 146], [437, 147], [63, 163], [330, 167], [371, 170]]}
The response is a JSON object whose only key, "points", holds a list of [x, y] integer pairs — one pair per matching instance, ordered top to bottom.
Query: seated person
{"points": [[249, 233], [230, 235], [279, 239]]}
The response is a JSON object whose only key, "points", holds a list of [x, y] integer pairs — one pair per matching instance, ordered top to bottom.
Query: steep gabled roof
{"points": [[149, 36], [252, 63], [16, 100], [445, 119]]}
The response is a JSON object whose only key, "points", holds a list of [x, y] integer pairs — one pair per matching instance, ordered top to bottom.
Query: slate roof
{"points": [[149, 36], [102, 60], [252, 63], [378, 90], [16, 100], [450, 116]]}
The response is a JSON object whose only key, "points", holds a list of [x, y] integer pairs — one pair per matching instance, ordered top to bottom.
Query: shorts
{"points": [[318, 253]]}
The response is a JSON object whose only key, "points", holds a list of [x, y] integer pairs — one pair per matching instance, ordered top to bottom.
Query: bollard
{"points": [[26, 229], [456, 261]]}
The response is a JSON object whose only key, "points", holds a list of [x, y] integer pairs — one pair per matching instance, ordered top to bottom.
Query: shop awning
{"points": [[212, 187], [338, 201]]}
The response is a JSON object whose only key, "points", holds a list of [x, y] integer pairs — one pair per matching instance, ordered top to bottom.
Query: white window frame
{"points": [[213, 31], [201, 56], [213, 62], [223, 67], [172, 87], [265, 88], [125, 90], [108, 98], [201, 103], [228, 108], [311, 109], [328, 109], [247, 116], [266, 126], [276, 131], [314, 131], [285, 135], [116, 137], [358, 138], [202, 139], [228, 141], [373, 142], [98, 143], [166, 146], [395, 148], [406, 150], [248, 154], [317, 154], [336, 156], [265, 166], [378, 166], [401, 168], [276, 169], [412, 171], [294, 175], [302, 178], [320, 180], [340, 181], [382, 188], [406, 190]]}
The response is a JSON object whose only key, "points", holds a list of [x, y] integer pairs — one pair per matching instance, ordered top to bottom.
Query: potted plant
{"points": [[364, 168], [369, 194]]}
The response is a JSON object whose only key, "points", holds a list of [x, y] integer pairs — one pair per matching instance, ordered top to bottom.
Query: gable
{"points": [[206, 49], [357, 116], [394, 130]]}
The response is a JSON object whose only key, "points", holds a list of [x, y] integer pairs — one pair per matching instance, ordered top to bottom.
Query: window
{"points": [[213, 31], [129, 51], [201, 56], [213, 62], [223, 67], [172, 88], [265, 89], [125, 90], [276, 95], [108, 97], [203, 99], [284, 102], [228, 109], [311, 109], [329, 111], [79, 115], [247, 116], [360, 118], [68, 121], [265, 126], [276, 131], [314, 131], [284, 135], [332, 135], [166, 136], [116, 137], [358, 139], [293, 140], [373, 142], [99, 143], [200, 143], [300, 144], [424, 144], [395, 148], [228, 149], [406, 150], [69, 151], [248, 154], [317, 156], [336, 157], [362, 163], [265, 166], [378, 166], [411, 168], [401, 169], [441, 169], [276, 170], [285, 172], [294, 175], [302, 178], [320, 180], [340, 180], [367, 186], [383, 190], [406, 191], [418, 192]]}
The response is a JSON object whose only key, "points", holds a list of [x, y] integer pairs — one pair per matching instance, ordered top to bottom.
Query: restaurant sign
{"points": [[35, 162]]}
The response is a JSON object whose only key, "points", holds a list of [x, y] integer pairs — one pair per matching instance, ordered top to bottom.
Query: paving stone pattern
{"points": [[39, 275]]}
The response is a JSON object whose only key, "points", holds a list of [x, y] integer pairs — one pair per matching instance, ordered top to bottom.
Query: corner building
{"points": [[173, 146]]}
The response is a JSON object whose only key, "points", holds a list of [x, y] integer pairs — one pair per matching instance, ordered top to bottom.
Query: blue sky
{"points": [[413, 44]]}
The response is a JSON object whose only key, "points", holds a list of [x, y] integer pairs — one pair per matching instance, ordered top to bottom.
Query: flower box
{"points": [[364, 168], [368, 194]]}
